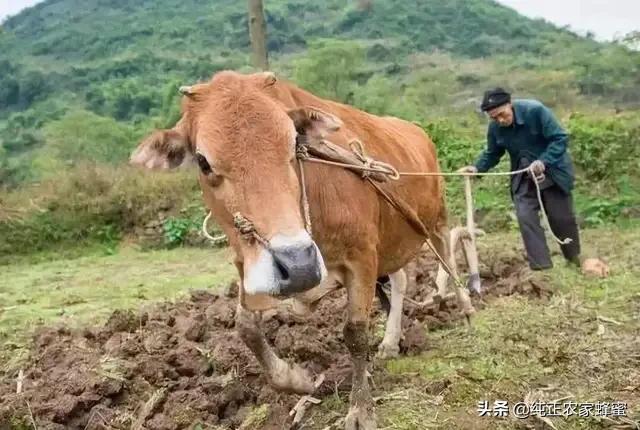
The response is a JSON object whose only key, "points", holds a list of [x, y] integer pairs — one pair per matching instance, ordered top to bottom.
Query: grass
{"points": [[88, 289], [518, 348], [524, 348], [536, 349]]}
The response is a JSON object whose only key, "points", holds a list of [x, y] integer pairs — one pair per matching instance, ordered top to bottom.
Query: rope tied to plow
{"points": [[370, 165], [537, 178]]}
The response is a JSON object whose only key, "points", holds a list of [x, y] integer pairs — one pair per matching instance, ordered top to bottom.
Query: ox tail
{"points": [[462, 236], [385, 303]]}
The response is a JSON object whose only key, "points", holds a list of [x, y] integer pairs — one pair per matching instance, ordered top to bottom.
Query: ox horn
{"points": [[269, 78], [186, 90]]}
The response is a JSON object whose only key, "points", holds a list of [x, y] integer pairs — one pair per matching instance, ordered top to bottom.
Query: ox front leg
{"points": [[360, 288], [390, 346], [282, 376]]}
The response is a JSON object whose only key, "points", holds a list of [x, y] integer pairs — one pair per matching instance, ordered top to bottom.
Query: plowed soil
{"points": [[179, 366]]}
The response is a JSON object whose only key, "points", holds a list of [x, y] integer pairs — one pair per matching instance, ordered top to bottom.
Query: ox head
{"points": [[243, 143]]}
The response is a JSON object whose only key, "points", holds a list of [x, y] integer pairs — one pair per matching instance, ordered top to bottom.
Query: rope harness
{"points": [[369, 166], [376, 173], [245, 228]]}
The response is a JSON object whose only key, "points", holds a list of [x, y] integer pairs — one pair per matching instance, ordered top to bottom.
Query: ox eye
{"points": [[204, 165], [213, 178]]}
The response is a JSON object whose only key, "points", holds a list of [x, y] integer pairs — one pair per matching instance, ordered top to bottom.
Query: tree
{"points": [[258, 34], [332, 68], [33, 86], [9, 91]]}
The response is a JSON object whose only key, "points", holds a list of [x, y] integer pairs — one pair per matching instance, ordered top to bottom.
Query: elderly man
{"points": [[532, 136]]}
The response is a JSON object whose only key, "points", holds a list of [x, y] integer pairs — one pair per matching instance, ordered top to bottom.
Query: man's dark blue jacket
{"points": [[534, 135]]}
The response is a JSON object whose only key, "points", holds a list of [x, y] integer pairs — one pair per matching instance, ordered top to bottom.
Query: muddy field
{"points": [[181, 365]]}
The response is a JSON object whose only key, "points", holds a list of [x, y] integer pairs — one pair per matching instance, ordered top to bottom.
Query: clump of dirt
{"points": [[176, 365], [169, 367]]}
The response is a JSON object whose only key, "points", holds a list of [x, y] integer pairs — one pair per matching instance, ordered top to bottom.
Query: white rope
{"points": [[371, 166], [374, 166], [510, 173], [536, 180], [566, 240]]}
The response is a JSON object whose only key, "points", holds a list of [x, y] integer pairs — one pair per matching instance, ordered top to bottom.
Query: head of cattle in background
{"points": [[244, 145]]}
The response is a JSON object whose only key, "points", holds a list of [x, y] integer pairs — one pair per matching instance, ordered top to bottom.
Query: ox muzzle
{"points": [[290, 265], [298, 267]]}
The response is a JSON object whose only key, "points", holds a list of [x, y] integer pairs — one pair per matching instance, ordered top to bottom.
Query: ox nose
{"points": [[298, 266]]}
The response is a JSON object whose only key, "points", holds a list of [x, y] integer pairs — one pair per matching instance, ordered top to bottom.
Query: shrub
{"points": [[330, 67], [82, 135], [605, 147], [90, 204], [176, 230]]}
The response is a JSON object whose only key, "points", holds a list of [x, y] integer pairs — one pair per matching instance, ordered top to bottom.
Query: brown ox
{"points": [[242, 131]]}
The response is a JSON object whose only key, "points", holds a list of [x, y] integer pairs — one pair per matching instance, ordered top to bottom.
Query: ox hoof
{"points": [[474, 285], [437, 298], [386, 351], [294, 380], [360, 419]]}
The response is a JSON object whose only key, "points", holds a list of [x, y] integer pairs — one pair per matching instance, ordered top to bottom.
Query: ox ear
{"points": [[313, 122], [163, 149]]}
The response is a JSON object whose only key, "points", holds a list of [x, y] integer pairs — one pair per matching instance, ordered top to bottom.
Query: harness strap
{"points": [[415, 222]]}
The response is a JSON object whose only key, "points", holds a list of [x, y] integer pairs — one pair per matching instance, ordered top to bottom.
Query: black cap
{"points": [[494, 98]]}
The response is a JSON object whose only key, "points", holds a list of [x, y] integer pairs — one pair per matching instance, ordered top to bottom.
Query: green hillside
{"points": [[89, 30], [74, 47], [123, 59], [82, 80]]}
